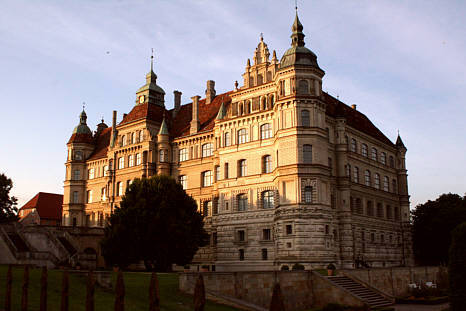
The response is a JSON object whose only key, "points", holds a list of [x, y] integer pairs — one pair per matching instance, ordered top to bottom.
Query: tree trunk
{"points": [[9, 281], [43, 290], [64, 291], [24, 297], [154, 297]]}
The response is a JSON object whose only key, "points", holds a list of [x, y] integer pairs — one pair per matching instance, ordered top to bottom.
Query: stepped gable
{"points": [[144, 111], [207, 115], [354, 118], [80, 138], [102, 142], [47, 205]]}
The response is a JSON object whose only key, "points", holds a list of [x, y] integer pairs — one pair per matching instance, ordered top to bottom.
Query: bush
{"points": [[297, 266], [331, 266], [285, 268], [457, 268]]}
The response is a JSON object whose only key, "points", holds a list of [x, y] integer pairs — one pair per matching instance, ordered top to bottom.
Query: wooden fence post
{"points": [[9, 281], [43, 290], [64, 291], [90, 291], [120, 293], [199, 294], [24, 296], [154, 297]]}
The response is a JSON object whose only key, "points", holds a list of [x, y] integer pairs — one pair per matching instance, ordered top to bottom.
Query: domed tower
{"points": [[150, 92], [163, 146], [80, 147]]}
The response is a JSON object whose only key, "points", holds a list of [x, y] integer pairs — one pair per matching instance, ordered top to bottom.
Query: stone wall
{"points": [[394, 281]]}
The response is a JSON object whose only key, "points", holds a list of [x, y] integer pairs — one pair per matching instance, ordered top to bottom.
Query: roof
{"points": [[144, 111], [80, 138], [102, 142], [47, 205]]}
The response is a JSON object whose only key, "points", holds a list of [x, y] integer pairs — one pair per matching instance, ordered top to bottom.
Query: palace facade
{"points": [[283, 172]]}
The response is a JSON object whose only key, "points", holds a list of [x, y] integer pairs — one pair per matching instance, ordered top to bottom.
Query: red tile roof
{"points": [[144, 111], [80, 138], [102, 142], [48, 205]]}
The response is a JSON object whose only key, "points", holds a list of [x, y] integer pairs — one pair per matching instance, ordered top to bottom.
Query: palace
{"points": [[283, 172]]}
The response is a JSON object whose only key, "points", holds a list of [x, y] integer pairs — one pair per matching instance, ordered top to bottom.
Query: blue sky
{"points": [[402, 62]]}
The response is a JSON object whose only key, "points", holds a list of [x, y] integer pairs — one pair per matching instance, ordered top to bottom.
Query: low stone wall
{"points": [[394, 281]]}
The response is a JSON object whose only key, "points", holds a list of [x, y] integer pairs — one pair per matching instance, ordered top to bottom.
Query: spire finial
{"points": [[296, 6], [262, 36], [152, 60], [84, 105]]}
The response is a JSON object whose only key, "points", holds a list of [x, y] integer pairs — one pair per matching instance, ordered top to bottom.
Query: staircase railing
{"points": [[385, 295]]}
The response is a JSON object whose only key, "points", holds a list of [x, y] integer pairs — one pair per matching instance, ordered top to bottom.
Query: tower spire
{"points": [[152, 61]]}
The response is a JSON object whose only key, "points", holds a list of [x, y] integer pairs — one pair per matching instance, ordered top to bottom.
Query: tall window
{"points": [[303, 87], [305, 118], [266, 131], [141, 136], [242, 136], [133, 138], [227, 139], [123, 140], [353, 145], [206, 150], [364, 150], [307, 153], [183, 154], [374, 154], [78, 155], [163, 155], [383, 158], [138, 159], [130, 160], [392, 161], [121, 162], [266, 164], [242, 168], [105, 170], [226, 171], [217, 172], [91, 173], [356, 174], [76, 175], [207, 178], [367, 178], [184, 181], [377, 181], [385, 184], [119, 188], [394, 188], [103, 194], [308, 194], [89, 196], [75, 197], [268, 199], [242, 202], [206, 208], [369, 208], [380, 210], [388, 210], [266, 234], [241, 254], [264, 254]]}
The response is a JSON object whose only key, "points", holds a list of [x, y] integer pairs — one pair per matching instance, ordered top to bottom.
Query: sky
{"points": [[403, 63]]}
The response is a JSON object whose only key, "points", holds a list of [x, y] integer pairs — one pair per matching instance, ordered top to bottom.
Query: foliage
{"points": [[8, 208], [157, 222], [433, 222], [297, 266], [331, 266], [285, 268], [457, 268], [276, 303]]}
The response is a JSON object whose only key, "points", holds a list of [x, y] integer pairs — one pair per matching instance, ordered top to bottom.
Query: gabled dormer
{"points": [[263, 69]]}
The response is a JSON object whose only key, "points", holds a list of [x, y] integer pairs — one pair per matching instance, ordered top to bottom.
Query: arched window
{"points": [[260, 79], [303, 87], [272, 101], [264, 103], [305, 118], [266, 131], [141, 135], [242, 136], [133, 138], [227, 139], [123, 140], [354, 146], [206, 150], [364, 150], [307, 153], [183, 154], [374, 154], [163, 155], [383, 158], [130, 160], [121, 163], [266, 164], [242, 168], [356, 174], [207, 178], [367, 178], [184, 181], [377, 181], [385, 184], [307, 194], [268, 199], [242, 201], [369, 208]]}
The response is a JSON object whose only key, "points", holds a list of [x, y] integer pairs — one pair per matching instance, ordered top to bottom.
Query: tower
{"points": [[150, 92], [163, 146]]}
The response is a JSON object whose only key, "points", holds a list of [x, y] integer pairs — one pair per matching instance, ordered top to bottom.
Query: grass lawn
{"points": [[136, 287]]}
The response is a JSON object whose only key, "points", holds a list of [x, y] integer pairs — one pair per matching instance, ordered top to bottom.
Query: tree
{"points": [[8, 208], [157, 222], [433, 222], [457, 268]]}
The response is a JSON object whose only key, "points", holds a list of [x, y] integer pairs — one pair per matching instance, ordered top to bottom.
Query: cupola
{"points": [[150, 92]]}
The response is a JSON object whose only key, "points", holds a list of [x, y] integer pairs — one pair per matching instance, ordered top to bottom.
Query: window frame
{"points": [[305, 118], [266, 131], [243, 136], [207, 150], [364, 150], [307, 153], [183, 154], [267, 164], [242, 168], [207, 178], [367, 178], [183, 180], [268, 199], [242, 200]]}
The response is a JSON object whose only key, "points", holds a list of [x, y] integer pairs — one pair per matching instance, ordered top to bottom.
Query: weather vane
{"points": [[296, 5], [152, 60], [84, 105]]}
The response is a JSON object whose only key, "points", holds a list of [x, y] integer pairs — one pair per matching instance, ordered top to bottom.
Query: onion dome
{"points": [[81, 133]]}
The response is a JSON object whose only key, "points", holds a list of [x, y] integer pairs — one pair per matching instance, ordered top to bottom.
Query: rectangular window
{"points": [[266, 131], [242, 136], [227, 140], [206, 150], [183, 154], [307, 154], [138, 159], [130, 160], [121, 162], [266, 164], [242, 168], [105, 170], [217, 172], [91, 173], [225, 173], [76, 174], [356, 174], [207, 178], [184, 181], [103, 194], [89, 196], [75, 197], [242, 202], [289, 229], [266, 234], [241, 236], [241, 254], [264, 254]]}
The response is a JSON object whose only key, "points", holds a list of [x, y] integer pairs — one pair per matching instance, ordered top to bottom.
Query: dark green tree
{"points": [[8, 208], [157, 222], [433, 222], [457, 268]]}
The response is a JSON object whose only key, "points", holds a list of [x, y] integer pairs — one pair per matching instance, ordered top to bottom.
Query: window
{"points": [[303, 87], [305, 118], [266, 131], [242, 136], [133, 138], [227, 139], [123, 140], [353, 145], [207, 150], [364, 150], [307, 153], [183, 154], [374, 154], [78, 155], [163, 155], [383, 158], [138, 159], [130, 160], [121, 162], [392, 162], [266, 164], [330, 166], [242, 168], [106, 170], [348, 170], [91, 173], [225, 173], [76, 174], [356, 174], [207, 178], [367, 178], [184, 181], [377, 181], [385, 184], [119, 188], [394, 188], [103, 194], [308, 194], [89, 196], [75, 197], [268, 199], [242, 202], [358, 206], [206, 208], [369, 208], [380, 210], [388, 211], [396, 211], [289, 229], [327, 230], [266, 234], [241, 236], [372, 237], [241, 254], [264, 254]]}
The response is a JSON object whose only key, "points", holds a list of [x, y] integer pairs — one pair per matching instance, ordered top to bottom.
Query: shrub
{"points": [[297, 266], [331, 266], [285, 268], [457, 268]]}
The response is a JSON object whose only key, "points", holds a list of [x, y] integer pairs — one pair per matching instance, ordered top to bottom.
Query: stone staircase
{"points": [[369, 296]]}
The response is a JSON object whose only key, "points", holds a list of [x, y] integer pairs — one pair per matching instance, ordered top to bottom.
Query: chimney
{"points": [[210, 92], [177, 102], [353, 106], [124, 115], [114, 120], [195, 124], [114, 131]]}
